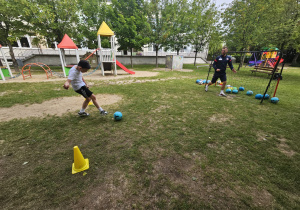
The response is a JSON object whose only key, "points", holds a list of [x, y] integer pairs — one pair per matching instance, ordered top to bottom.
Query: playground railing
{"points": [[107, 55]]}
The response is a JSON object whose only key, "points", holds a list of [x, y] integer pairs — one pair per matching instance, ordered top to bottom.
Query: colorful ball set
{"points": [[201, 81], [235, 90]]}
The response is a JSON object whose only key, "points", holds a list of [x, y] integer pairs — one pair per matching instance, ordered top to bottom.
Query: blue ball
{"points": [[197, 81], [204, 81], [208, 81], [241, 88], [228, 90], [235, 91], [249, 92], [259, 96], [267, 96], [274, 100], [118, 116]]}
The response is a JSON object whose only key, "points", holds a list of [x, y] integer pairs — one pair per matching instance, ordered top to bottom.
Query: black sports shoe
{"points": [[103, 112], [82, 114]]}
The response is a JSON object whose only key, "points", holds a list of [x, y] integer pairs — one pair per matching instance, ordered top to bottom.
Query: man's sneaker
{"points": [[206, 88], [222, 94], [103, 112], [83, 114]]}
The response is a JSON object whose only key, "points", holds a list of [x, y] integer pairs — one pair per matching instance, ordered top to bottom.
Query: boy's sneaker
{"points": [[206, 88], [222, 94], [103, 112], [82, 114]]}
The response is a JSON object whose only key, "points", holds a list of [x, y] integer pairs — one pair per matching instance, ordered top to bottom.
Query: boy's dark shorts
{"points": [[221, 76], [84, 91]]}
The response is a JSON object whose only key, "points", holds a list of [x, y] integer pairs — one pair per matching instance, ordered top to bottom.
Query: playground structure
{"points": [[66, 43], [109, 55], [268, 58], [5, 71], [27, 73]]}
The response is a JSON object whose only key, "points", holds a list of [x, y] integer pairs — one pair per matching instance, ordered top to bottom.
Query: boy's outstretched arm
{"points": [[67, 84]]}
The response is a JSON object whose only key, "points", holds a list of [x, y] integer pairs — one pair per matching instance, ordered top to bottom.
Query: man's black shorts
{"points": [[221, 76], [84, 91]]}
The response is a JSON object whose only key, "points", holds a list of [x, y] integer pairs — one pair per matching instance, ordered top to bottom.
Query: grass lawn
{"points": [[177, 147]]}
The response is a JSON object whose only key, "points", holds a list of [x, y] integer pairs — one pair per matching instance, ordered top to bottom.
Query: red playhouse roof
{"points": [[67, 43]]}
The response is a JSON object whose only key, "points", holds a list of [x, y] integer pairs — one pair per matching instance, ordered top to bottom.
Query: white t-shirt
{"points": [[76, 78]]}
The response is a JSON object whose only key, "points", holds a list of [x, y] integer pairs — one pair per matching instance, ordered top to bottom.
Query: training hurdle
{"points": [[27, 73]]}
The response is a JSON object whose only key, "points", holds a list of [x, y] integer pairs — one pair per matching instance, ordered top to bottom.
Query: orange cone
{"points": [[80, 164]]}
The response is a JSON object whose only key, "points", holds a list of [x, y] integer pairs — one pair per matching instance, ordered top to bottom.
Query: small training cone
{"points": [[91, 103], [80, 164]]}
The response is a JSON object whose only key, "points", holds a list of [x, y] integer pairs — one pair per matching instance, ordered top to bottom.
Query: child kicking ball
{"points": [[80, 86]]}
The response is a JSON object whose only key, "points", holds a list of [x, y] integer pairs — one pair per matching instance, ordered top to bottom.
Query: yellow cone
{"points": [[91, 103], [80, 164]]}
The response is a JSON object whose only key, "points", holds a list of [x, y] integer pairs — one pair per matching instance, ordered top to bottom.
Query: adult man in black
{"points": [[219, 65]]}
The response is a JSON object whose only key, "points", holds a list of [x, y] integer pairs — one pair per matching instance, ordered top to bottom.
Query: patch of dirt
{"points": [[181, 70], [87, 76], [124, 82], [58, 107], [220, 118], [263, 137], [284, 148], [115, 192]]}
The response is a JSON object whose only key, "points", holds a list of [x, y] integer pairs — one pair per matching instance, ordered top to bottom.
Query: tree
{"points": [[177, 13], [91, 15], [203, 17], [56, 18], [157, 18], [15, 19], [244, 21], [284, 22], [129, 23], [215, 44]]}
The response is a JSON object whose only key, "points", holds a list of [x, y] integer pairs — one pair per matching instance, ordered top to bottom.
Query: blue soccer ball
{"points": [[198, 81], [204, 81], [208, 81], [241, 88], [228, 90], [235, 91], [249, 92], [259, 96], [267, 96], [274, 100], [118, 116]]}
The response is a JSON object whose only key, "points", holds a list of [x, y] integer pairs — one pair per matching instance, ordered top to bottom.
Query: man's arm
{"points": [[215, 64], [231, 66]]}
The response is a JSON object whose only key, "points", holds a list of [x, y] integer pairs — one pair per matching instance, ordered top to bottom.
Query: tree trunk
{"points": [[156, 52], [177, 52], [12, 55], [131, 57], [195, 57], [242, 59], [294, 61]]}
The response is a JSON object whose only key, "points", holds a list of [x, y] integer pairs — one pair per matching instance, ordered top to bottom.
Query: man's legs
{"points": [[213, 80], [223, 80]]}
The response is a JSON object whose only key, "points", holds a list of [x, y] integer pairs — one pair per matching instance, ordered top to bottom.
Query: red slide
{"points": [[124, 68]]}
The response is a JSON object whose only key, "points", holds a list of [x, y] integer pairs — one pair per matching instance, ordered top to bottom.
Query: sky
{"points": [[219, 2]]}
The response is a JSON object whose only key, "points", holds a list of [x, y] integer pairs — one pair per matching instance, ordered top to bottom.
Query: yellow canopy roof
{"points": [[104, 30]]}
